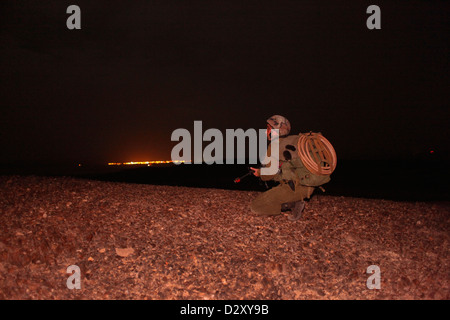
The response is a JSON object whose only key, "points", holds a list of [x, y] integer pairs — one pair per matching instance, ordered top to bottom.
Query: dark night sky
{"points": [[137, 70]]}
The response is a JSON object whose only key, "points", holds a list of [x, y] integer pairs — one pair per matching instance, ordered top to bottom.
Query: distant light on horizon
{"points": [[146, 162]]}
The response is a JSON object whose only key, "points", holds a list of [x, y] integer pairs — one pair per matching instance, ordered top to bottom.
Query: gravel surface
{"points": [[134, 241]]}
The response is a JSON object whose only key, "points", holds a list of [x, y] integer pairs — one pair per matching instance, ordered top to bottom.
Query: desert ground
{"points": [[135, 241]]}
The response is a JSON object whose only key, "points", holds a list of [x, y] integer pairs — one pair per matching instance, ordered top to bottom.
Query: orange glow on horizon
{"points": [[145, 162]]}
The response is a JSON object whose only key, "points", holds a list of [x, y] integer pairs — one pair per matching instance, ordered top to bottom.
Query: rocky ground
{"points": [[158, 242]]}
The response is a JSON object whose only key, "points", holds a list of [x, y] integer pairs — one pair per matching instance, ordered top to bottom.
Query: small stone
{"points": [[124, 252]]}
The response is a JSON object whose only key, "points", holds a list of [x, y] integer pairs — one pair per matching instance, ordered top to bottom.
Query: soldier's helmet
{"points": [[280, 123]]}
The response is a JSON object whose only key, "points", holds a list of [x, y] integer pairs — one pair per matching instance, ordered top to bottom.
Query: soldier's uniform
{"points": [[296, 183]]}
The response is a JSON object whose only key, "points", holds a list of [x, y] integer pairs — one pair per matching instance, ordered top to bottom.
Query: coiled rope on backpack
{"points": [[317, 153]]}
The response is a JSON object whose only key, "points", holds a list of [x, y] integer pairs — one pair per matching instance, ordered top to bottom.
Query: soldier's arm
{"points": [[272, 176], [269, 177]]}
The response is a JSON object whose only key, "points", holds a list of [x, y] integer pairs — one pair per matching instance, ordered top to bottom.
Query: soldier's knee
{"points": [[255, 207], [261, 208]]}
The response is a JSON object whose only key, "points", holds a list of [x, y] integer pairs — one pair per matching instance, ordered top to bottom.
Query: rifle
{"points": [[249, 173]]}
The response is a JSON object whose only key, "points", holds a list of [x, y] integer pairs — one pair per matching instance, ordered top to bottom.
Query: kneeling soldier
{"points": [[296, 182]]}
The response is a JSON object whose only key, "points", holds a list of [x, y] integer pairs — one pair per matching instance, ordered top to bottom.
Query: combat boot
{"points": [[297, 210]]}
